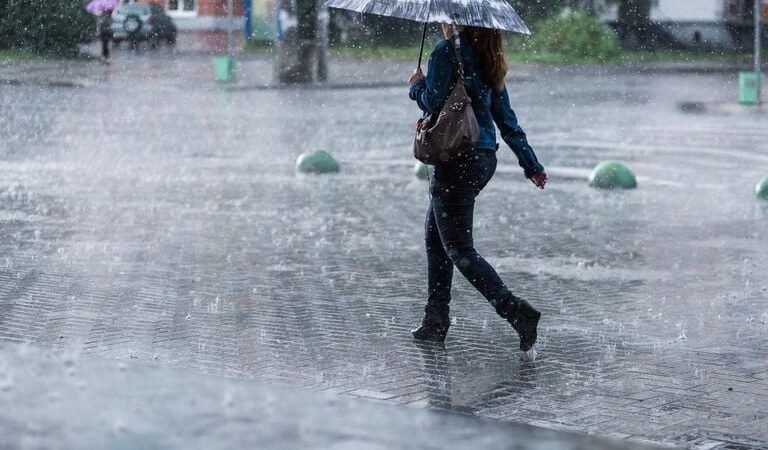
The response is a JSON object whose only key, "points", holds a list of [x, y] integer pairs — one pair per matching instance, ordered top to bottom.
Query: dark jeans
{"points": [[105, 47], [448, 228]]}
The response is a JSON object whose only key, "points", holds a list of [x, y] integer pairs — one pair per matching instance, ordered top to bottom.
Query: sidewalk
{"points": [[191, 61], [157, 216], [65, 401]]}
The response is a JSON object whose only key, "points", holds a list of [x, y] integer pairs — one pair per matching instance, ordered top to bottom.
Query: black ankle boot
{"points": [[523, 317], [525, 320], [434, 325], [430, 331]]}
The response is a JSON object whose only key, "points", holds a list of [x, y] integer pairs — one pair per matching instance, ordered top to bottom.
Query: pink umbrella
{"points": [[99, 6]]}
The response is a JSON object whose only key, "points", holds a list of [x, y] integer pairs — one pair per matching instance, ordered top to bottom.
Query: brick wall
{"points": [[208, 7], [218, 7]]}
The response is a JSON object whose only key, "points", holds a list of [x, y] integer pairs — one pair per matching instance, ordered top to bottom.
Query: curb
{"points": [[46, 83]]}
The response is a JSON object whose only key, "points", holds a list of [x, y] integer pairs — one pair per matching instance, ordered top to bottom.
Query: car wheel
{"points": [[132, 24], [171, 40]]}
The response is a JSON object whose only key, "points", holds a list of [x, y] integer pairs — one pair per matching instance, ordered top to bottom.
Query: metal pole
{"points": [[230, 19], [247, 23], [758, 73]]}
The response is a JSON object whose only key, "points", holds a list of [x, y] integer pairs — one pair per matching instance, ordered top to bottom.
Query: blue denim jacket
{"points": [[489, 104]]}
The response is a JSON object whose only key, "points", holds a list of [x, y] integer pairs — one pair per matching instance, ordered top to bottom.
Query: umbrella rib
{"points": [[495, 14]]}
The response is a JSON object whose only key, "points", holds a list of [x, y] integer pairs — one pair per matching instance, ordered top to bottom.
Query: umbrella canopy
{"points": [[99, 6], [496, 14]]}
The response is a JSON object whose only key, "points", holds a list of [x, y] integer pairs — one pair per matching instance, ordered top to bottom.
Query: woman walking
{"points": [[105, 35], [456, 183]]}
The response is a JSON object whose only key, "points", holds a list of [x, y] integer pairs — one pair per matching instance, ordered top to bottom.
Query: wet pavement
{"points": [[148, 214], [69, 401]]}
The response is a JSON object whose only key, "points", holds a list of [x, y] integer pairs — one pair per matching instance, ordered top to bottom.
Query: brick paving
{"points": [[182, 237], [70, 401]]}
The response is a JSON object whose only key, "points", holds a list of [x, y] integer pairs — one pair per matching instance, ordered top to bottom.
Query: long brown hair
{"points": [[489, 46]]}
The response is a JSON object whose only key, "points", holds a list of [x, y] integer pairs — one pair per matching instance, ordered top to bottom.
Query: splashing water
{"points": [[528, 356]]}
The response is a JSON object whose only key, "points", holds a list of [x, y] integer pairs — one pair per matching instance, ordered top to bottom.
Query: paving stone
{"points": [[182, 238], [71, 402]]}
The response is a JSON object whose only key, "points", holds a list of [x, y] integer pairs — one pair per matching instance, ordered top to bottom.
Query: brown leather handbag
{"points": [[454, 131]]}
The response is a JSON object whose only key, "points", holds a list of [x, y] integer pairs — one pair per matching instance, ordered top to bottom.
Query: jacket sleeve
{"points": [[430, 93], [513, 134]]}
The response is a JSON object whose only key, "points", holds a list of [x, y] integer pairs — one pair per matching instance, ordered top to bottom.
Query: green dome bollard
{"points": [[317, 162], [421, 171], [612, 175], [761, 190]]}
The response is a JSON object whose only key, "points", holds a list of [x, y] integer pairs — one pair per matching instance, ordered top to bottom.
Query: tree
{"points": [[533, 11], [635, 12], [634, 23], [49, 27], [301, 42]]}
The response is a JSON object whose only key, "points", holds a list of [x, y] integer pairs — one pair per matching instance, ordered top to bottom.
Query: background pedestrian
{"points": [[105, 35]]}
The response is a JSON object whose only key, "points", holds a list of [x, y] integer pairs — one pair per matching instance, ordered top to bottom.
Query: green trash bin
{"points": [[224, 68], [749, 90]]}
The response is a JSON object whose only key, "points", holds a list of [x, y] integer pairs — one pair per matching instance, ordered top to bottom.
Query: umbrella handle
{"points": [[421, 51]]}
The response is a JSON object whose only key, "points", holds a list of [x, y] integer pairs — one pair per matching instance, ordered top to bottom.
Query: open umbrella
{"points": [[99, 6], [496, 14]]}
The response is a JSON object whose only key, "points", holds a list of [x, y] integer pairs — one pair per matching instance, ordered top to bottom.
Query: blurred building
{"points": [[199, 15], [263, 20], [695, 25]]}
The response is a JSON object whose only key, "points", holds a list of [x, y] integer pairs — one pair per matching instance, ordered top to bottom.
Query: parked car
{"points": [[739, 17], [134, 23]]}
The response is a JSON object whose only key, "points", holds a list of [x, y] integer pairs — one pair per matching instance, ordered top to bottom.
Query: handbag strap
{"points": [[457, 51]]}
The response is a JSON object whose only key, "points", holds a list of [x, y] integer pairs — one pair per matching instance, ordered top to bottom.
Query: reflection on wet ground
{"points": [[155, 216]]}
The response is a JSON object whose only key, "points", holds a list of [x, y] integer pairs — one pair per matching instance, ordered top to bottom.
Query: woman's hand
{"points": [[417, 75], [540, 179]]}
